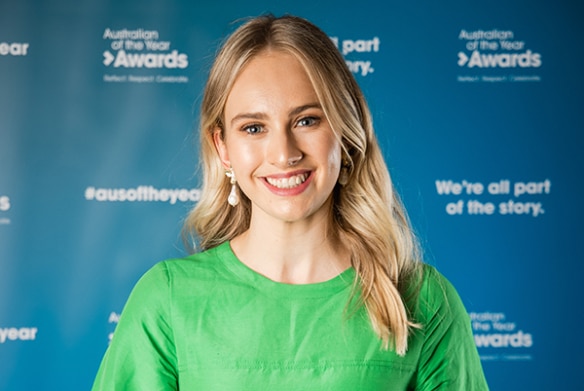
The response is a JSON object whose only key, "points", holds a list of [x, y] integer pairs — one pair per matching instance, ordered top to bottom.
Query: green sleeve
{"points": [[141, 355], [449, 359]]}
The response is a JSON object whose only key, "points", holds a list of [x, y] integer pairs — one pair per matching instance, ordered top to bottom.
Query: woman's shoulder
{"points": [[207, 259], [202, 265], [434, 282], [434, 294]]}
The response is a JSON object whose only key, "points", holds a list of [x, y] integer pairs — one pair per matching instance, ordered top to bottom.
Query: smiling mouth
{"points": [[288, 183]]}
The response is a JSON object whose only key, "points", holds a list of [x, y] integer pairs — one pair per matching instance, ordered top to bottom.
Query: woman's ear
{"points": [[221, 148]]}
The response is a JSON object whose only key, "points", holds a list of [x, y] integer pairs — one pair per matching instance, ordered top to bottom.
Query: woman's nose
{"points": [[282, 149]]}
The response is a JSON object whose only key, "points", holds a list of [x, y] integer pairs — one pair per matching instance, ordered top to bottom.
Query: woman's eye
{"points": [[308, 121], [252, 129]]}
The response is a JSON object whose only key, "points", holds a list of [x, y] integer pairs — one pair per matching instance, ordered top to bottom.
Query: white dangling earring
{"points": [[344, 176], [233, 198]]}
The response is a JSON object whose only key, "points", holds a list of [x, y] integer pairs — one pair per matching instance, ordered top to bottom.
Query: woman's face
{"points": [[281, 147]]}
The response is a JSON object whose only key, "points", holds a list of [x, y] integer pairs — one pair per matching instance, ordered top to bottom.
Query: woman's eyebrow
{"points": [[300, 109], [241, 116]]}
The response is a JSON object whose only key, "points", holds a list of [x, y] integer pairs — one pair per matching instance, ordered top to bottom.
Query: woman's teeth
{"points": [[287, 183]]}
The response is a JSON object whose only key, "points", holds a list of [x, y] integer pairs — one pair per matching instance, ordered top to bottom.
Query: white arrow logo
{"points": [[108, 58], [462, 59]]}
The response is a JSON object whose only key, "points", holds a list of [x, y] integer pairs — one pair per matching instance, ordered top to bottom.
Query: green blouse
{"points": [[208, 322]]}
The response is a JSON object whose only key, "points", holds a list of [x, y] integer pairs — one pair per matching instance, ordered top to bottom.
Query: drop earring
{"points": [[344, 174], [233, 198]]}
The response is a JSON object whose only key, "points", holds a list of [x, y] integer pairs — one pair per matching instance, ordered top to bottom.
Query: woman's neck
{"points": [[292, 252]]}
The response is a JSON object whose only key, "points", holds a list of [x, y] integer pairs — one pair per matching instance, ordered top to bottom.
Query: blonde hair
{"points": [[367, 213]]}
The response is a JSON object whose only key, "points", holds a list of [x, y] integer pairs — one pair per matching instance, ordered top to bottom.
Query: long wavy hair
{"points": [[367, 214]]}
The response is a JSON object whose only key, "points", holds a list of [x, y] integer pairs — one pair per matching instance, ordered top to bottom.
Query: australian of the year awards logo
{"points": [[134, 49], [496, 56], [498, 338]]}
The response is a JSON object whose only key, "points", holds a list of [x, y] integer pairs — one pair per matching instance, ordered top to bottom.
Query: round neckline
{"points": [[242, 272]]}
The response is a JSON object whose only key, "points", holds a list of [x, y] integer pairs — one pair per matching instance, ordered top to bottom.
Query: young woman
{"points": [[308, 275]]}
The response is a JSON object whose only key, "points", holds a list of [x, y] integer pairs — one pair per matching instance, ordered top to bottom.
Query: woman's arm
{"points": [[141, 355]]}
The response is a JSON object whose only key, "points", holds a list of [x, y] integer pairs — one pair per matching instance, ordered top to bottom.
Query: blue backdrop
{"points": [[478, 107]]}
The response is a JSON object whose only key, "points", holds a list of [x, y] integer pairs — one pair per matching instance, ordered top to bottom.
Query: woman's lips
{"points": [[288, 184]]}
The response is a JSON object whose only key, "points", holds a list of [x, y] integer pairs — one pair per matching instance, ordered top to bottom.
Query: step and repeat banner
{"points": [[478, 107]]}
